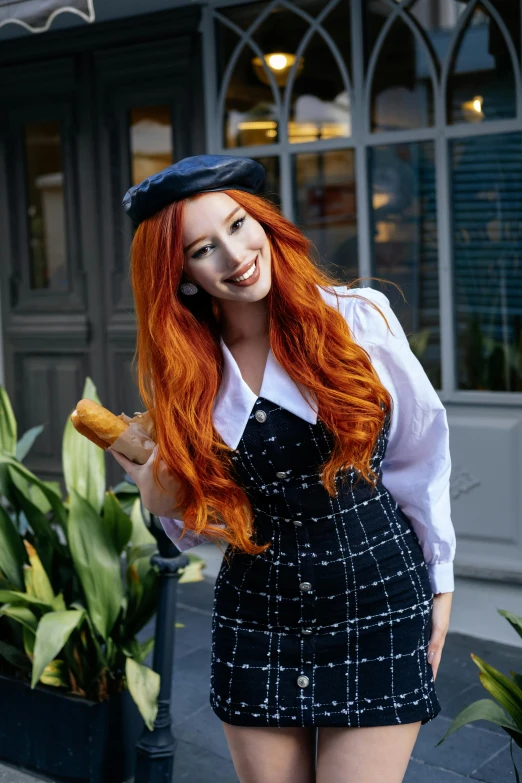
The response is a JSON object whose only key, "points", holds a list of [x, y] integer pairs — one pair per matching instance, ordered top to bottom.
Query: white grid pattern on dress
{"points": [[369, 608]]}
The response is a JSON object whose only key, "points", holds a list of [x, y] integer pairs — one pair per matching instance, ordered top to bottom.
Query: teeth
{"points": [[246, 275]]}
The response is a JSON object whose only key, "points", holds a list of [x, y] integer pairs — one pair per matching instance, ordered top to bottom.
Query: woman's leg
{"points": [[264, 754], [365, 755]]}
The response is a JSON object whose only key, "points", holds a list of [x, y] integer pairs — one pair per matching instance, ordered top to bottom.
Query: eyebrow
{"points": [[200, 239]]}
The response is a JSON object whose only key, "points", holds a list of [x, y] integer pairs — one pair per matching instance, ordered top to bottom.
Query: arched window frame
{"points": [[362, 139]]}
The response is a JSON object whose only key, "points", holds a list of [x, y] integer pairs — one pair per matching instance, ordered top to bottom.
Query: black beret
{"points": [[198, 174]]}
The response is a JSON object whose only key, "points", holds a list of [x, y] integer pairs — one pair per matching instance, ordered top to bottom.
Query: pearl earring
{"points": [[188, 288]]}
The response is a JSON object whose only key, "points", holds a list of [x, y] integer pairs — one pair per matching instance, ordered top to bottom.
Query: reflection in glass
{"points": [[438, 19], [481, 85], [402, 91], [320, 107], [250, 111], [150, 129], [272, 186], [45, 206], [325, 207], [404, 222], [487, 235]]}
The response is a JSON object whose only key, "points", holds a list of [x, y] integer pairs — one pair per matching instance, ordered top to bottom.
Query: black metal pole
{"points": [[155, 749]]}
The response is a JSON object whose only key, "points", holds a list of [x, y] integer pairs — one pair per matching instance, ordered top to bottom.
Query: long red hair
{"points": [[179, 366]]}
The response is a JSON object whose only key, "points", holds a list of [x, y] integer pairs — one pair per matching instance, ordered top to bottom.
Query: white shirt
{"points": [[417, 465]]}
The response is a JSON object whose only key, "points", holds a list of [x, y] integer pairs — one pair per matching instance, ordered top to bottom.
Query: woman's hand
{"points": [[155, 500], [439, 628]]}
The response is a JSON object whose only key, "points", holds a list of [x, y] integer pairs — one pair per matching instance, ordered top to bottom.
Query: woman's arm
{"points": [[417, 465]]}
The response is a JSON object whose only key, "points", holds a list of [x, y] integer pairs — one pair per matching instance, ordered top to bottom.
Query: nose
{"points": [[235, 254]]}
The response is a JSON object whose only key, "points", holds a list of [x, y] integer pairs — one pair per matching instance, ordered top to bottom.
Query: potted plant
{"points": [[76, 588], [506, 710]]}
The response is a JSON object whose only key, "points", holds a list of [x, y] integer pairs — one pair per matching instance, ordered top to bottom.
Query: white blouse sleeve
{"points": [[417, 465], [174, 528]]}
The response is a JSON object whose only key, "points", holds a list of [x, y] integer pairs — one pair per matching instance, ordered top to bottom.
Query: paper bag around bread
{"points": [[134, 437]]}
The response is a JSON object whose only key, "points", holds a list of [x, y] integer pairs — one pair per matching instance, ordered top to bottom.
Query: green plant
{"points": [[76, 581], [506, 711]]}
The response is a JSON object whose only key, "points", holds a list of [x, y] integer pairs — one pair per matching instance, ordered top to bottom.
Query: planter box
{"points": [[67, 737]]}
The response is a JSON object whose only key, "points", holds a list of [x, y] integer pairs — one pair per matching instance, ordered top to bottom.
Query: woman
{"points": [[296, 426]]}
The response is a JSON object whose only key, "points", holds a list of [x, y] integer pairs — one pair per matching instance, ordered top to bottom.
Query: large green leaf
{"points": [[7, 424], [26, 441], [84, 462], [6, 486], [24, 493], [50, 494], [126, 494], [117, 521], [140, 532], [142, 550], [12, 553], [97, 563], [36, 580], [142, 596], [24, 599], [22, 615], [514, 619], [52, 634], [139, 650], [15, 657], [55, 674], [144, 686], [504, 690], [483, 709]]}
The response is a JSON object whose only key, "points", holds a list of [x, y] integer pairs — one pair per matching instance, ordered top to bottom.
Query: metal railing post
{"points": [[155, 749]]}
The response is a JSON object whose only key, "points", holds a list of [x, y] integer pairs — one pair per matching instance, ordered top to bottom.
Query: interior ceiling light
{"points": [[280, 63], [473, 109]]}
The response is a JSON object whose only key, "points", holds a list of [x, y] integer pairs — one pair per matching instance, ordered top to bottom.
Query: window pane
{"points": [[482, 83], [402, 91], [320, 105], [250, 112], [150, 129], [272, 187], [45, 207], [325, 208], [487, 235], [405, 243]]}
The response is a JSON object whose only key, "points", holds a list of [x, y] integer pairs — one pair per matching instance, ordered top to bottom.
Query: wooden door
{"points": [[81, 129]]}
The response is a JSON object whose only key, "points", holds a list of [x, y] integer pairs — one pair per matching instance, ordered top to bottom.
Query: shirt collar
{"points": [[235, 399]]}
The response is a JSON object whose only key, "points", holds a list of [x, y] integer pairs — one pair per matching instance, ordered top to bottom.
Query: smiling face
{"points": [[222, 241]]}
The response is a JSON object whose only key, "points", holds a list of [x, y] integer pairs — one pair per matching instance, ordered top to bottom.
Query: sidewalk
{"points": [[479, 752]]}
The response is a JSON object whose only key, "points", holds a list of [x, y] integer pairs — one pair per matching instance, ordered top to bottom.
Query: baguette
{"points": [[98, 422], [86, 432]]}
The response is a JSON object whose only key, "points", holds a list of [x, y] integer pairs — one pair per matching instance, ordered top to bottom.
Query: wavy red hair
{"points": [[179, 366]]}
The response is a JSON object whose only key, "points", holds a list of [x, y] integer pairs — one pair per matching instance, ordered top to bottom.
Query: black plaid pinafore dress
{"points": [[329, 626]]}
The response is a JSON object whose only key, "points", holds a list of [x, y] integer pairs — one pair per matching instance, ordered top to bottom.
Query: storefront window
{"points": [[293, 65], [426, 65], [481, 85], [402, 87], [320, 102], [251, 115], [151, 150], [272, 187], [45, 206], [325, 207], [404, 224], [487, 232]]}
